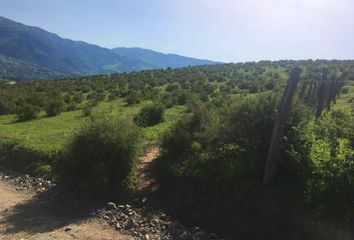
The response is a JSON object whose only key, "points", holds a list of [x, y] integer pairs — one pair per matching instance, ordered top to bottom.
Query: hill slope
{"points": [[35, 48], [160, 60]]}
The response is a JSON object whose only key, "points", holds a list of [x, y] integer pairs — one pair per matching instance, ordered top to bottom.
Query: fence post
{"points": [[278, 129]]}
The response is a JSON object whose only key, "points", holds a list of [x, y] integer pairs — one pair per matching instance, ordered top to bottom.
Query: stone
{"points": [[112, 205], [130, 223], [118, 226], [181, 235], [200, 236]]}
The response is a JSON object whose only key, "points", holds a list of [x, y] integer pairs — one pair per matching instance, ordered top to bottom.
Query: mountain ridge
{"points": [[36, 48]]}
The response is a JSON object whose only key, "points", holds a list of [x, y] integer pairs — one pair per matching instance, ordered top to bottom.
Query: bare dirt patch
{"points": [[26, 214]]}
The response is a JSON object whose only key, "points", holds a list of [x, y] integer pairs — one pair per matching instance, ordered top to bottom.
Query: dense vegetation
{"points": [[214, 125], [102, 156]]}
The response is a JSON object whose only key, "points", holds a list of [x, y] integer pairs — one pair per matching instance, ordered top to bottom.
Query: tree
{"points": [[133, 97], [54, 107], [27, 112], [150, 115]]}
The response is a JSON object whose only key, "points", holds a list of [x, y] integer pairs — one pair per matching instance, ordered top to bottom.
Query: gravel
{"points": [[139, 222], [144, 224]]}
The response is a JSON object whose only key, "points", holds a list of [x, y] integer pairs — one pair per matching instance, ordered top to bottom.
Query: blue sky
{"points": [[224, 30]]}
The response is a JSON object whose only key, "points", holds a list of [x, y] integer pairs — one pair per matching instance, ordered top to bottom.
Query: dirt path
{"points": [[146, 182], [27, 215]]}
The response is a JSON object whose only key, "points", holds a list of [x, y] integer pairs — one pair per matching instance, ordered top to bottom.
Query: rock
{"points": [[111, 206], [121, 206], [130, 223], [118, 226], [67, 229], [181, 235], [200, 236]]}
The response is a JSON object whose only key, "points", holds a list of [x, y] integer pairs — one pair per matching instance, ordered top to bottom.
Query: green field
{"points": [[50, 134]]}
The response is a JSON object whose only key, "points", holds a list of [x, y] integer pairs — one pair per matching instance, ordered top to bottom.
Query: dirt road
{"points": [[27, 215]]}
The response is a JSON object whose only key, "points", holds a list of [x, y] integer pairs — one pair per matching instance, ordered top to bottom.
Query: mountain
{"points": [[38, 54], [160, 60], [15, 69]]}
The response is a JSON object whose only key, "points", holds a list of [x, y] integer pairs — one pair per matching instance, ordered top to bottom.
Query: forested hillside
{"points": [[38, 54], [213, 127]]}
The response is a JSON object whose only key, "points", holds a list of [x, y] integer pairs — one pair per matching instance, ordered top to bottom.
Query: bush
{"points": [[345, 90], [96, 96], [78, 97], [133, 97], [6, 106], [71, 106], [54, 108], [87, 109], [27, 112], [149, 116], [221, 145], [15, 155], [102, 156], [330, 183]]}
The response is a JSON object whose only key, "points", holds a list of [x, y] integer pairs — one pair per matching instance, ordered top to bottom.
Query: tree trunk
{"points": [[279, 125]]}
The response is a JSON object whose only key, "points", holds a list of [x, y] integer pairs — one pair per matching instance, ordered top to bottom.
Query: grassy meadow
{"points": [[50, 134]]}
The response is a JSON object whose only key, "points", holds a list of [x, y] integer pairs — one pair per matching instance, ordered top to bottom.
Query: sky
{"points": [[222, 30]]}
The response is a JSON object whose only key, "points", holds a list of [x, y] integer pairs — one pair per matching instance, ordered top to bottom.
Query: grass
{"points": [[346, 101], [51, 134]]}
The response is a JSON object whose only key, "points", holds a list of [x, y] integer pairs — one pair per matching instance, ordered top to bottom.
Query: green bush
{"points": [[345, 90], [78, 97], [133, 97], [6, 106], [71, 106], [54, 107], [87, 109], [27, 112], [150, 115], [221, 145], [16, 156], [102, 156], [330, 183]]}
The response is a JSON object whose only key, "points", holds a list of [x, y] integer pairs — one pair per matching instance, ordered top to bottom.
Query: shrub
{"points": [[345, 90], [96, 96], [78, 97], [133, 97], [71, 106], [54, 107], [87, 109], [27, 112], [150, 115], [220, 145], [15, 155], [102, 156], [330, 183]]}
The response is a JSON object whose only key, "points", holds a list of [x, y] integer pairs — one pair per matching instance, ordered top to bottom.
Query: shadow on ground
{"points": [[45, 212]]}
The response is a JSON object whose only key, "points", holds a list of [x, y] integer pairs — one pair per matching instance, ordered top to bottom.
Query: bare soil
{"points": [[146, 182], [25, 214]]}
